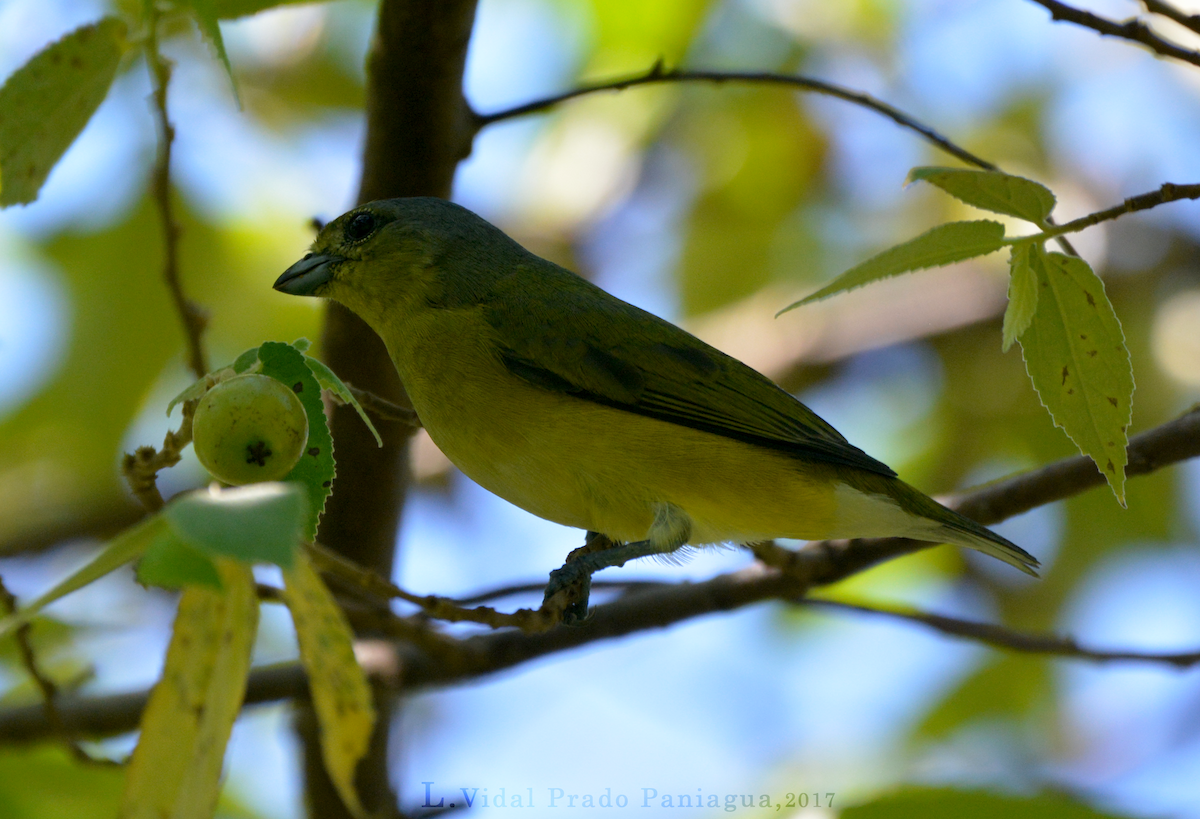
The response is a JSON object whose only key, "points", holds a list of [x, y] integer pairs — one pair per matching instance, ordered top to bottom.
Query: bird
{"points": [[590, 412]]}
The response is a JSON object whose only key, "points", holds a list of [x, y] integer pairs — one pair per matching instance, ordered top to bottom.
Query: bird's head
{"points": [[387, 258]]}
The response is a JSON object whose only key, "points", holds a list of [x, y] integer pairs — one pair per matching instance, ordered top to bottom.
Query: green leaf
{"points": [[232, 9], [206, 17], [45, 103], [992, 190], [942, 245], [1022, 295], [302, 344], [1076, 356], [245, 361], [329, 381], [192, 393], [316, 469], [261, 521], [126, 546], [172, 564], [1007, 686], [340, 693], [176, 767], [40, 781], [936, 803]]}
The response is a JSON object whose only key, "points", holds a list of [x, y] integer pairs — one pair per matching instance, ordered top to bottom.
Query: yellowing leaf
{"points": [[45, 103], [992, 190], [942, 245], [1022, 296], [1075, 354], [131, 543], [340, 693], [176, 767]]}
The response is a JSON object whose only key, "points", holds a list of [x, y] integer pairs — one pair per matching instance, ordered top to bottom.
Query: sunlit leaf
{"points": [[45, 103], [992, 190], [942, 245], [1022, 296], [1077, 359], [316, 470], [260, 521], [125, 547], [172, 564], [340, 693], [176, 766]]}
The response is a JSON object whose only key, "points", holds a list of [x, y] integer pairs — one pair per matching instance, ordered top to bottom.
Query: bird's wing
{"points": [[579, 340]]}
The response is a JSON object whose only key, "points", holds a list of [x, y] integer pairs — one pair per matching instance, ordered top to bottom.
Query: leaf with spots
{"points": [[45, 104], [992, 190], [942, 245], [1022, 295], [1076, 356], [316, 468], [341, 695], [176, 767]]}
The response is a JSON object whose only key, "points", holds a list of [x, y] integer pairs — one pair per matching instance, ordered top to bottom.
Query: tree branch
{"points": [[1188, 21], [1132, 29], [657, 75], [417, 129], [1169, 192], [193, 317], [786, 576], [1002, 637], [45, 685]]}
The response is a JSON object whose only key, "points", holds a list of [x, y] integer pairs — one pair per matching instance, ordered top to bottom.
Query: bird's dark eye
{"points": [[360, 226]]}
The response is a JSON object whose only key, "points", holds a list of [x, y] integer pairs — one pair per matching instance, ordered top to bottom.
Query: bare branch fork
{"points": [[1132, 29], [421, 658]]}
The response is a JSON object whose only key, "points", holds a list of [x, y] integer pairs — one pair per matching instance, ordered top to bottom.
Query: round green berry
{"points": [[250, 428]]}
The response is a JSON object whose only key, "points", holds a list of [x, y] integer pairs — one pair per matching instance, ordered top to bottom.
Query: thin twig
{"points": [[1188, 21], [1132, 29], [659, 75], [1169, 192], [193, 317], [141, 468], [439, 608], [1002, 637], [47, 687]]}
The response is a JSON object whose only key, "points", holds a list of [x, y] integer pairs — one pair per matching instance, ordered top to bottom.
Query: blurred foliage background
{"points": [[713, 206]]}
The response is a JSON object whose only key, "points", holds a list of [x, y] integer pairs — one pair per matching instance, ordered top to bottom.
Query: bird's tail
{"points": [[942, 525], [962, 531]]}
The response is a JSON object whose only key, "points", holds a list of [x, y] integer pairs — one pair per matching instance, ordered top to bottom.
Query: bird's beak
{"points": [[306, 276]]}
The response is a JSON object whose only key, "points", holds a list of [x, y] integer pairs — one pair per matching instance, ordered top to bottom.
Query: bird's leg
{"points": [[671, 529]]}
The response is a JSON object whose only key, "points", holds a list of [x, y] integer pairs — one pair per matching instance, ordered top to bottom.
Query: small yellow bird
{"points": [[589, 412]]}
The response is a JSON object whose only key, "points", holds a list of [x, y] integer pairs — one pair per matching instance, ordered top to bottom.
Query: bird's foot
{"points": [[575, 576]]}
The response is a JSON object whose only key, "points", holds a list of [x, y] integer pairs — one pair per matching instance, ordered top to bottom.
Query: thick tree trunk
{"points": [[418, 128]]}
